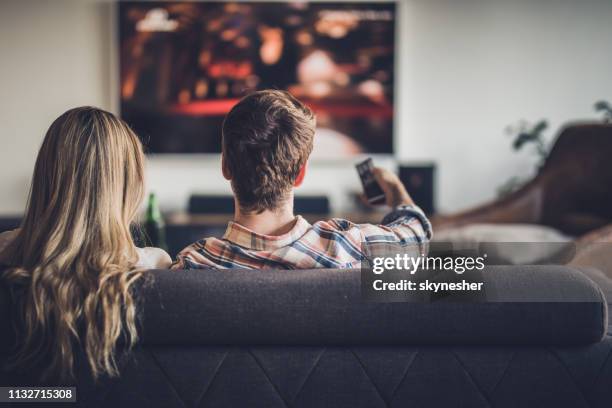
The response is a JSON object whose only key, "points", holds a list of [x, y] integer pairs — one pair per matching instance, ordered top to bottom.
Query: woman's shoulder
{"points": [[6, 237], [153, 258]]}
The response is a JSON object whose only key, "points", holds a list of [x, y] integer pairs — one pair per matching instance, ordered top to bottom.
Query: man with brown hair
{"points": [[267, 138]]}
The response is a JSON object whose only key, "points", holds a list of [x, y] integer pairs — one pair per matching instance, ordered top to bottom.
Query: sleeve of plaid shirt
{"points": [[409, 222], [406, 224]]}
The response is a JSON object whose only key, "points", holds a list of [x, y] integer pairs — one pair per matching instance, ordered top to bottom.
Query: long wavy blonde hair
{"points": [[73, 259]]}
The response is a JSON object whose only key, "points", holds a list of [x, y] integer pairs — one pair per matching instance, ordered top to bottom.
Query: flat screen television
{"points": [[183, 65]]}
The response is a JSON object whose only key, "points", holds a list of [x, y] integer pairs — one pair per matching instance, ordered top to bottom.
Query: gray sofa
{"points": [[306, 339]]}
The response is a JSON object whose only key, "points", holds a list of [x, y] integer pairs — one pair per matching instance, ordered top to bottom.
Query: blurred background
{"points": [[185, 64], [439, 89]]}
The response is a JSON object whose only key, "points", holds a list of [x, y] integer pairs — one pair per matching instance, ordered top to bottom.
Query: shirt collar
{"points": [[244, 237]]}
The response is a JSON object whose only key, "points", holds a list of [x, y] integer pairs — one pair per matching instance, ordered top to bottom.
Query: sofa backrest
{"points": [[530, 305], [551, 305]]}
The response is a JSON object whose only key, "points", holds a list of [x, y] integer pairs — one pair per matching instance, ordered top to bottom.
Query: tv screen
{"points": [[183, 65]]}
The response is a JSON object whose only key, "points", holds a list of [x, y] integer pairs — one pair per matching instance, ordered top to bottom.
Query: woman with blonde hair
{"points": [[72, 263]]}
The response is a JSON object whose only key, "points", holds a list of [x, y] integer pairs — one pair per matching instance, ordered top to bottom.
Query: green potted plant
{"points": [[606, 109], [526, 134]]}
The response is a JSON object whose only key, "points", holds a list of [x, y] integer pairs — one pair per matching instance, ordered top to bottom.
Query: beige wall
{"points": [[53, 56], [471, 67], [467, 68]]}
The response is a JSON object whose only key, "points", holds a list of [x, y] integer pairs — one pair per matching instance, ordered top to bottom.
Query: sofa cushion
{"points": [[494, 239], [543, 305]]}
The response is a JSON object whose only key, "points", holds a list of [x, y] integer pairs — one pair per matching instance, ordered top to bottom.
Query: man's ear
{"points": [[227, 174], [300, 177]]}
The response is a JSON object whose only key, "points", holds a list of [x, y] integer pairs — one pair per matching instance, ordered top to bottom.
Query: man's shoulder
{"points": [[337, 224], [347, 227], [201, 245], [200, 254]]}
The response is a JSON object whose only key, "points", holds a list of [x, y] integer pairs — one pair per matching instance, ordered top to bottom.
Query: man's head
{"points": [[267, 138]]}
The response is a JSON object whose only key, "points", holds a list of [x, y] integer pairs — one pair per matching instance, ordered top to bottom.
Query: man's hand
{"points": [[395, 192]]}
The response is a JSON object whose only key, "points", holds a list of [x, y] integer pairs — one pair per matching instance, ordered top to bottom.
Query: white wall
{"points": [[52, 57], [471, 67], [467, 69]]}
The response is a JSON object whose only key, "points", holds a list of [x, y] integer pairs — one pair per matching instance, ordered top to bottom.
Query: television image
{"points": [[183, 65]]}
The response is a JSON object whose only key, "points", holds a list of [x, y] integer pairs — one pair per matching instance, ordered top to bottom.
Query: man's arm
{"points": [[392, 186], [406, 220], [178, 263]]}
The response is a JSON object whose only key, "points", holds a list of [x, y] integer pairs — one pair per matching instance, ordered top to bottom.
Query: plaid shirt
{"points": [[335, 243]]}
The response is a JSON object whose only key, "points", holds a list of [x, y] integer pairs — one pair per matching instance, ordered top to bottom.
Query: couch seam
{"points": [[416, 353], [257, 362], [314, 366], [601, 369], [503, 373], [569, 374], [166, 377], [368, 377], [474, 383], [203, 393]]}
